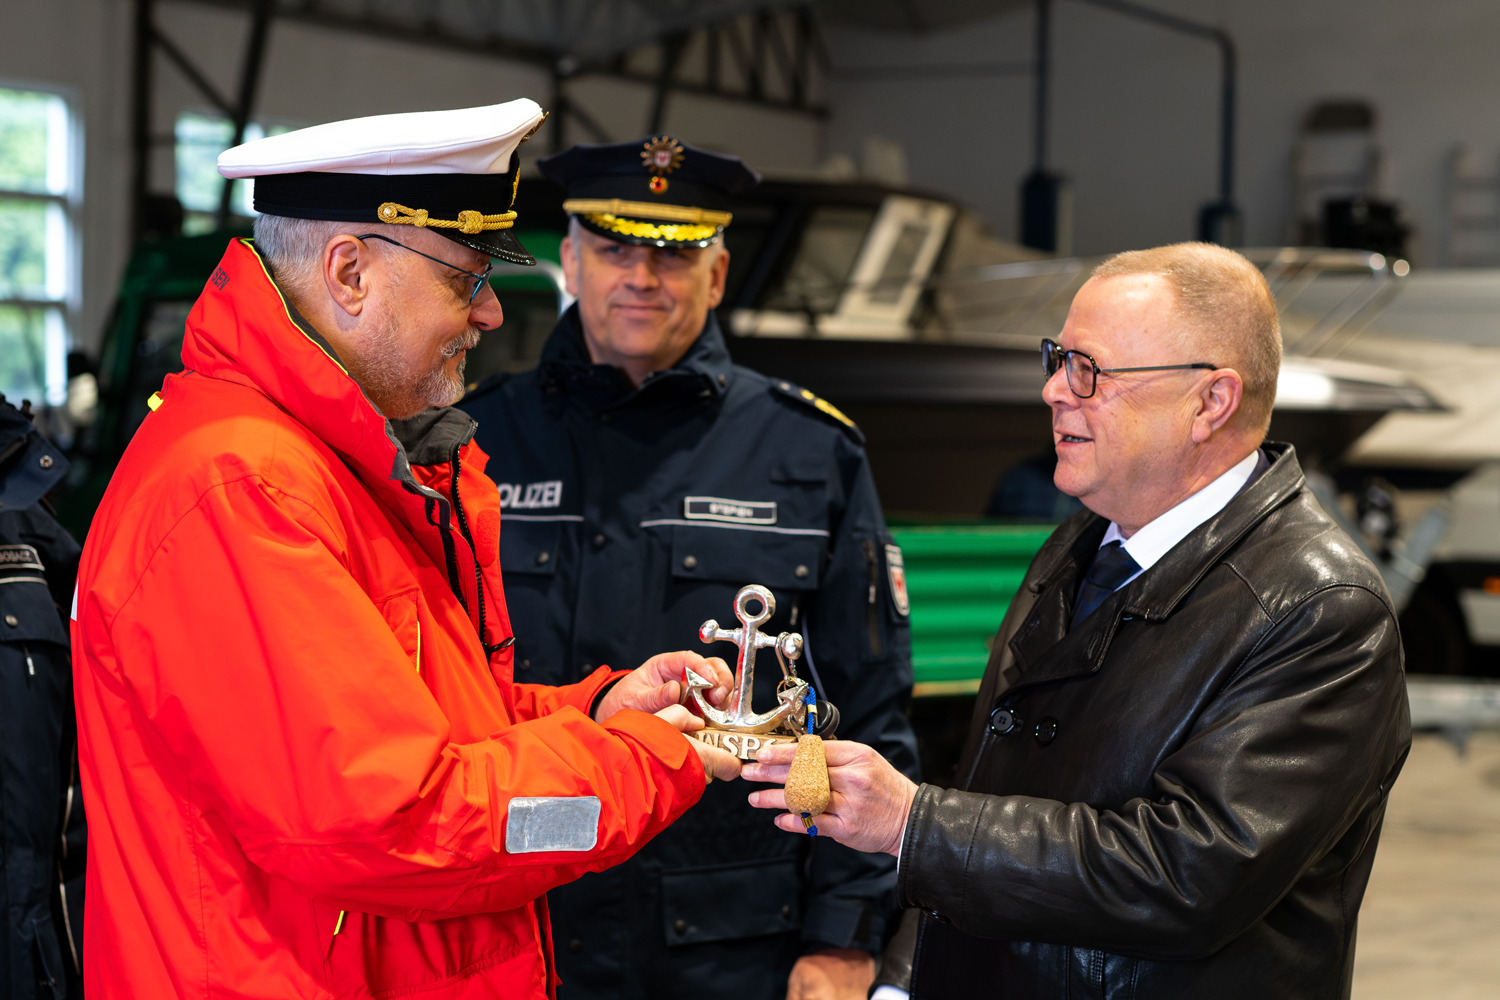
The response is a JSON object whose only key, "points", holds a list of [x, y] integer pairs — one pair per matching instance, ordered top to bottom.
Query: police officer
{"points": [[644, 478], [42, 833]]}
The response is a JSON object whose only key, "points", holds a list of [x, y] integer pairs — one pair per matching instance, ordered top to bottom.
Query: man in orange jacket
{"points": [[307, 767]]}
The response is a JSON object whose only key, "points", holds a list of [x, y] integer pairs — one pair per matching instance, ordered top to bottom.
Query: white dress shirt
{"points": [[1161, 535], [1146, 547]]}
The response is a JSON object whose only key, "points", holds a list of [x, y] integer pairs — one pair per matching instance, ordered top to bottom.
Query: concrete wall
{"points": [[1134, 116]]}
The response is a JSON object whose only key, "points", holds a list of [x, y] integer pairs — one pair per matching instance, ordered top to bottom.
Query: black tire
{"points": [[1433, 636]]}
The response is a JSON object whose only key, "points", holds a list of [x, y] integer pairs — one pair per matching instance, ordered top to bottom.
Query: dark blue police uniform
{"points": [[631, 515], [43, 838]]}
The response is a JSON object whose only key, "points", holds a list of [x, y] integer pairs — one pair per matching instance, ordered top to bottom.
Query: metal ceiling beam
{"points": [[430, 34], [148, 40], [255, 57]]}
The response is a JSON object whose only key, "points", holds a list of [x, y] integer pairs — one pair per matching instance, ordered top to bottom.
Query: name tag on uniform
{"points": [[731, 511], [19, 557]]}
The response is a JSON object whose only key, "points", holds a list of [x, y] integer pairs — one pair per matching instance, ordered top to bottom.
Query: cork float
{"points": [[807, 792]]}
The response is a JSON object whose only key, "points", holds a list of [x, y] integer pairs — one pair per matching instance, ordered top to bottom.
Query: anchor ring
{"points": [[758, 593]]}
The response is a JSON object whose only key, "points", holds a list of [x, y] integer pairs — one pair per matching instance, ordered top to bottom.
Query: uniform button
{"points": [[722, 380], [784, 386], [46, 461], [599, 540], [542, 557], [689, 562], [801, 572], [12, 621], [525, 664], [587, 668], [1003, 721], [1046, 730], [786, 912], [680, 927], [575, 946]]}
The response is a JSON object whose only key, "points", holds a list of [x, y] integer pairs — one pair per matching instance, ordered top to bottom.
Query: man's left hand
{"points": [[658, 683], [870, 799], [832, 974]]}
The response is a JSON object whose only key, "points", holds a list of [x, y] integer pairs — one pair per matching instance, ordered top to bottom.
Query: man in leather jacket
{"points": [[1184, 741]]}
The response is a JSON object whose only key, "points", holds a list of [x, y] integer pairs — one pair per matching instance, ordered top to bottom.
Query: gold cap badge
{"points": [[661, 155]]}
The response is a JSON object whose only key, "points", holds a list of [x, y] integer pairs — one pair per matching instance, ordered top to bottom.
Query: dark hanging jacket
{"points": [[630, 517], [1179, 797], [42, 834]]}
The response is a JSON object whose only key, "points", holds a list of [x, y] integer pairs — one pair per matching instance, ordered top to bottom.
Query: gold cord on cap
{"points": [[645, 210], [468, 221], [650, 230]]}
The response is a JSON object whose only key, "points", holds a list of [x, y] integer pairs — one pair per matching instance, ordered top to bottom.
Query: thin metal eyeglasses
{"points": [[479, 279], [1084, 371]]}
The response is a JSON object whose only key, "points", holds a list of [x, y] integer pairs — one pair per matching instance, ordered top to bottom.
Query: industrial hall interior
{"points": [[761, 499]]}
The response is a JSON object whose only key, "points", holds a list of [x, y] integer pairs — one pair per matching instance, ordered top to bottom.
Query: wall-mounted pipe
{"points": [[1217, 222]]}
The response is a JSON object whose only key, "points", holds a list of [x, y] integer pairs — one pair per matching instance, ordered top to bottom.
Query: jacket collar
{"points": [[242, 329], [566, 366], [1046, 649]]}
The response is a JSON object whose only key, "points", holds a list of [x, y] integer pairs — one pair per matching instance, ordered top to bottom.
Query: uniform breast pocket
{"points": [[529, 547], [739, 556], [28, 616], [730, 902]]}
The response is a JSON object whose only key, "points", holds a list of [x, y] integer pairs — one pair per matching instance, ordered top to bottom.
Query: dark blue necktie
{"points": [[1111, 568]]}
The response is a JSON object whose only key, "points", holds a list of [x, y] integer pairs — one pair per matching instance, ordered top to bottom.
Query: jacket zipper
{"points": [[463, 526], [872, 563]]}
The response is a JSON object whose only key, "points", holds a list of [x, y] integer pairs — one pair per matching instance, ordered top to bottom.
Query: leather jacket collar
{"points": [[565, 366], [1043, 646]]}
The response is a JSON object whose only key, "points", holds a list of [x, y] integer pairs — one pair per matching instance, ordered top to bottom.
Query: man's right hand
{"points": [[658, 683], [717, 763]]}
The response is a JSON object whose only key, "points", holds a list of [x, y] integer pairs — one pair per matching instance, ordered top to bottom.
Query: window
{"points": [[199, 140], [38, 254]]}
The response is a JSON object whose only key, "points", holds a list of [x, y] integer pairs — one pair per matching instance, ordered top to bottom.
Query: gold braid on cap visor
{"points": [[468, 221], [691, 224]]}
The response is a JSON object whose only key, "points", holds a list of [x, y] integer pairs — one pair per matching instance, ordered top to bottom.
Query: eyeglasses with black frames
{"points": [[479, 279], [1084, 372]]}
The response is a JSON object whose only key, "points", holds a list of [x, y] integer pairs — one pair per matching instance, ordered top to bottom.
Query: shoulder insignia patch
{"points": [[820, 404]]}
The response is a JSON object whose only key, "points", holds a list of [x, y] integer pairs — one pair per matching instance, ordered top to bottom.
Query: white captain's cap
{"points": [[454, 172]]}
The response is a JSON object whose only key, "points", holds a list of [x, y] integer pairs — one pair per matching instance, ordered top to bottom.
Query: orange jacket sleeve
{"points": [[536, 700], [294, 716]]}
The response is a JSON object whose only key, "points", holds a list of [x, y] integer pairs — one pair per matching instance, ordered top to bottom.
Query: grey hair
{"points": [[294, 247]]}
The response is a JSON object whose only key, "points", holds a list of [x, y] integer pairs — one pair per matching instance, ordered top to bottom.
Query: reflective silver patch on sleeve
{"points": [[552, 823]]}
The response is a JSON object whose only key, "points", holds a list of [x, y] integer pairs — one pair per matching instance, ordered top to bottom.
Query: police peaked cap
{"points": [[453, 172], [654, 192]]}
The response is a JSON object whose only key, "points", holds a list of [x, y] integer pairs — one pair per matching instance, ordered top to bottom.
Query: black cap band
{"points": [[358, 198]]}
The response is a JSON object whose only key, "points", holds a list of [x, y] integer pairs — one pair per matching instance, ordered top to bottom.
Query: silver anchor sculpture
{"points": [[739, 729]]}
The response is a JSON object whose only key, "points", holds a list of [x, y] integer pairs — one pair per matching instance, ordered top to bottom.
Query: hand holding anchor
{"points": [[658, 686]]}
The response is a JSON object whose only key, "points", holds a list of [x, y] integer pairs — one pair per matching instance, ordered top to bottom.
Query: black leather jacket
{"points": [[1182, 796]]}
